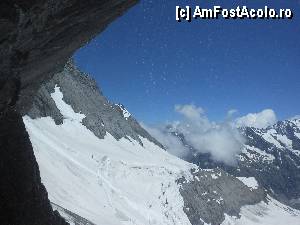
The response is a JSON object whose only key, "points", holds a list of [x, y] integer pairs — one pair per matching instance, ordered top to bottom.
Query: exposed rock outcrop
{"points": [[101, 115], [214, 193], [23, 198]]}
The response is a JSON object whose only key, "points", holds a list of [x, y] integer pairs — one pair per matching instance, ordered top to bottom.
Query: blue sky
{"points": [[149, 62]]}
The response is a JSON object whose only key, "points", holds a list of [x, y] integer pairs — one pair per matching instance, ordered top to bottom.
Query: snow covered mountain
{"points": [[277, 150], [271, 155], [101, 167]]}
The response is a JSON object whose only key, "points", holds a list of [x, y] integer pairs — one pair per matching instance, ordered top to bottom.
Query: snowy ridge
{"points": [[82, 93], [125, 112], [284, 135], [282, 138], [256, 154], [106, 181], [109, 181]]}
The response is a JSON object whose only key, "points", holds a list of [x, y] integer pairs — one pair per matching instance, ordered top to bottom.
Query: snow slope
{"points": [[106, 181], [249, 181], [114, 182], [271, 213]]}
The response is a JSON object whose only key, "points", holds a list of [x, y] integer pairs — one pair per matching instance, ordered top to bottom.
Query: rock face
{"points": [[37, 38], [101, 116], [271, 155], [214, 193], [23, 198]]}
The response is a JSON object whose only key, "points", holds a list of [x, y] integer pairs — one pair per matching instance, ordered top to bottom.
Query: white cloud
{"points": [[189, 111], [231, 113], [261, 119], [221, 140], [172, 144]]}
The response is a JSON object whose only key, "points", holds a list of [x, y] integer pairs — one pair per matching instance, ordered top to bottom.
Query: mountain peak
{"points": [[82, 94]]}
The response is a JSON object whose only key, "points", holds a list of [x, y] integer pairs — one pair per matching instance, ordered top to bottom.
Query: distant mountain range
{"points": [[271, 155]]}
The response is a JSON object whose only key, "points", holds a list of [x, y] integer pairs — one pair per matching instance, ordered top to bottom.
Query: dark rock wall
{"points": [[37, 38], [23, 198]]}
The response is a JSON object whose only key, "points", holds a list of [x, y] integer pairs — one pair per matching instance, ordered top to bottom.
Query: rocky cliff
{"points": [[82, 93]]}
